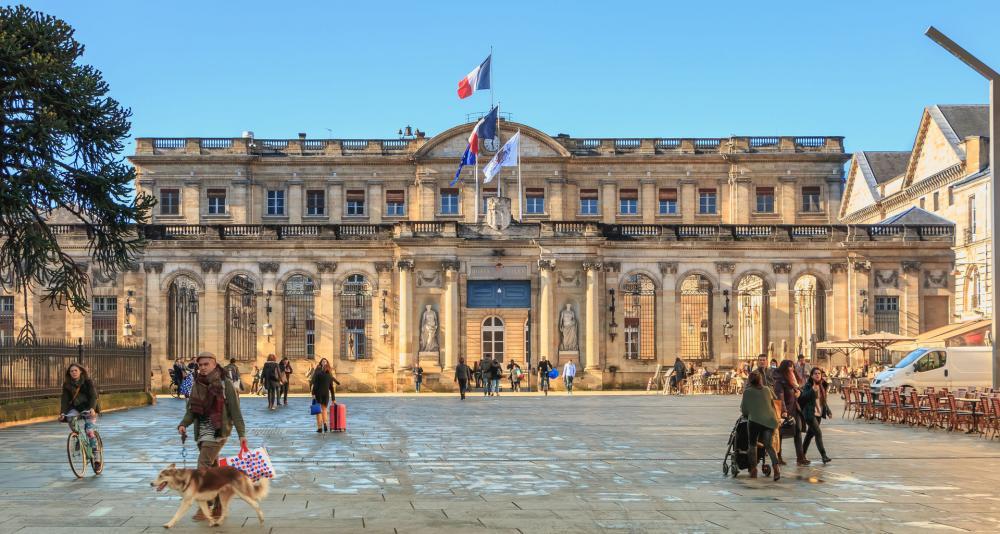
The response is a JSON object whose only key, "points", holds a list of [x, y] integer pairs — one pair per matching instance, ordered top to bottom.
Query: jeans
{"points": [[543, 382], [569, 384], [417, 385], [495, 386], [463, 387], [283, 392], [272, 394], [89, 424], [813, 431], [760, 434], [797, 437], [208, 452]]}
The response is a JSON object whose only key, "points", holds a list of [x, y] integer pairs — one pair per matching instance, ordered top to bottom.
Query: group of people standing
{"points": [[276, 376], [792, 397]]}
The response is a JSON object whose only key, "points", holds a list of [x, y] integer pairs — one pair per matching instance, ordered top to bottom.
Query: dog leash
{"points": [[184, 451]]}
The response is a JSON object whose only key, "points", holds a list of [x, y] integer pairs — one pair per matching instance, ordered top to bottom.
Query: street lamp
{"points": [[994, 79], [128, 314], [613, 326], [268, 327]]}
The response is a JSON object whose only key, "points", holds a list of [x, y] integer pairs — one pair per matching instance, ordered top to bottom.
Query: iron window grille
{"points": [[639, 302], [104, 316], [356, 318], [182, 319], [241, 319], [300, 319], [6, 320], [696, 325]]}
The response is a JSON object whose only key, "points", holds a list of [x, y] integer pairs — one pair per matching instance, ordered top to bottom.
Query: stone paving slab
{"points": [[521, 463]]}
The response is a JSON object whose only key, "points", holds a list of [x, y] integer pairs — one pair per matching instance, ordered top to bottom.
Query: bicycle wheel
{"points": [[98, 454], [76, 455]]}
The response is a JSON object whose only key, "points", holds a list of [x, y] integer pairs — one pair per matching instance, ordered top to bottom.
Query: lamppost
{"points": [[994, 79]]}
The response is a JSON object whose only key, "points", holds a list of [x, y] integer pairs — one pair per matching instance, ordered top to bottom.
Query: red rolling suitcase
{"points": [[338, 417]]}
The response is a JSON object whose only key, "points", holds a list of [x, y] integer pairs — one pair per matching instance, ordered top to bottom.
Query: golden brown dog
{"points": [[203, 486]]}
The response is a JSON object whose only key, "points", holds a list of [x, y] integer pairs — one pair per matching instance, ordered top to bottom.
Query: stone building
{"points": [[945, 178], [624, 254]]}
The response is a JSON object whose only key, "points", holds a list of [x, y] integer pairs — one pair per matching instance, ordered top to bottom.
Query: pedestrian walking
{"points": [[285, 367], [544, 368], [801, 369], [477, 373], [496, 373], [569, 373], [766, 373], [233, 374], [510, 374], [680, 374], [271, 375], [462, 375], [516, 375], [418, 377], [786, 389], [323, 392], [79, 399], [813, 406], [758, 407], [214, 409]]}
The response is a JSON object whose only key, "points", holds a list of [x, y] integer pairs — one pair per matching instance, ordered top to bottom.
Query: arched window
{"points": [[973, 290], [751, 294], [639, 303], [182, 318], [356, 318], [696, 318], [810, 318], [241, 319], [492, 334], [299, 338]]}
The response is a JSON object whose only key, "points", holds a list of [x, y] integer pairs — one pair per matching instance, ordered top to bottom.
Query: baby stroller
{"points": [[738, 452]]}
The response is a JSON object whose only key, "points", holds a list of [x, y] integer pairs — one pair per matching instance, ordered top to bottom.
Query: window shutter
{"points": [[535, 192], [588, 194], [628, 194], [668, 194], [356, 195], [395, 196]]}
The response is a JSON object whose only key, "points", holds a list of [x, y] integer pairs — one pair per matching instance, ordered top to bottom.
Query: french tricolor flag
{"points": [[479, 78]]}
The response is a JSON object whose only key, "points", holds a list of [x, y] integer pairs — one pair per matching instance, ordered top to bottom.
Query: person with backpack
{"points": [[495, 373], [233, 374], [285, 376], [462, 376], [272, 380]]}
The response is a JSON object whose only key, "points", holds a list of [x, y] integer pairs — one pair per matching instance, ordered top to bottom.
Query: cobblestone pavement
{"points": [[637, 463]]}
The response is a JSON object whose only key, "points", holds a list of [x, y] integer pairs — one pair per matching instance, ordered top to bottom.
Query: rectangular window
{"points": [[487, 193], [951, 197], [810, 199], [765, 200], [922, 200], [216, 201], [535, 201], [628, 201], [668, 201], [707, 201], [170, 202], [275, 202], [315, 202], [355, 202], [449, 202], [588, 202], [936, 202], [395, 203], [972, 217], [105, 319], [6, 320], [631, 338]]}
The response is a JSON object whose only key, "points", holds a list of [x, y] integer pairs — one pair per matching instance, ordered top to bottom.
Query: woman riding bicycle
{"points": [[79, 399]]}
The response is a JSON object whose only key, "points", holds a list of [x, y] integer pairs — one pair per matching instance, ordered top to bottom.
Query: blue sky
{"points": [[863, 70]]}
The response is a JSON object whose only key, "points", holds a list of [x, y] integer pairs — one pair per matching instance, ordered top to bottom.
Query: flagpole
{"points": [[491, 77], [500, 179], [477, 191], [520, 192]]}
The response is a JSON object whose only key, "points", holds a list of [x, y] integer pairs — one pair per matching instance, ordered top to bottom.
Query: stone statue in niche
{"points": [[428, 330], [568, 330]]}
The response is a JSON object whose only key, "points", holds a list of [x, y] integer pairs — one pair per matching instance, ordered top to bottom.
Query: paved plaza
{"points": [[636, 463]]}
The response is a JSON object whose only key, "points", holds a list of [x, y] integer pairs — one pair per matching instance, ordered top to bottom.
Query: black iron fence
{"points": [[38, 370]]}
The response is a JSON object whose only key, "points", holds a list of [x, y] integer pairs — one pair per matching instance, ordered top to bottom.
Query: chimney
{"points": [[302, 136], [977, 153]]}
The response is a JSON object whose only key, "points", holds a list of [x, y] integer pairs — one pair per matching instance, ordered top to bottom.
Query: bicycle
{"points": [[79, 451]]}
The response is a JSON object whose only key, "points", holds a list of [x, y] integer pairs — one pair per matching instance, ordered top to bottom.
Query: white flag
{"points": [[507, 156]]}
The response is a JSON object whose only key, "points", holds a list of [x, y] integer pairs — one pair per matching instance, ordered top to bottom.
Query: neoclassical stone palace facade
{"points": [[624, 254]]}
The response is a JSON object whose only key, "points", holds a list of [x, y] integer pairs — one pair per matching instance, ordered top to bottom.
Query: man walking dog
{"points": [[214, 409]]}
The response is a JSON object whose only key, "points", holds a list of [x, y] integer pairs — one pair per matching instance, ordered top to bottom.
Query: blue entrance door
{"points": [[498, 294]]}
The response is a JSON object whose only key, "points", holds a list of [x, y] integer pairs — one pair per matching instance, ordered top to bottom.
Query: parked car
{"points": [[949, 367]]}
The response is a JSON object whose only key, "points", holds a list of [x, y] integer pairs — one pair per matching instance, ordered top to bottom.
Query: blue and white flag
{"points": [[507, 156], [468, 158]]}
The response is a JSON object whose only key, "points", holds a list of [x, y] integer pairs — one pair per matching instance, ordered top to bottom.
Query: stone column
{"points": [[786, 194], [833, 194], [556, 199], [335, 200], [648, 200], [191, 201], [608, 201], [688, 201], [744, 201], [376, 203], [295, 205], [385, 270], [268, 273], [838, 306], [863, 306], [155, 309], [451, 309], [910, 309], [211, 312], [781, 313], [326, 324], [546, 328], [404, 332], [669, 346], [725, 350], [591, 356]]}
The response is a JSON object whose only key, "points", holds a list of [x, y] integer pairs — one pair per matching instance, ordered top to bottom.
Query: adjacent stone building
{"points": [[945, 178], [623, 254]]}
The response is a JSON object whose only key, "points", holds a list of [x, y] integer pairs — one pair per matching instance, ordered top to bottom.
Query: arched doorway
{"points": [[751, 294], [639, 302], [182, 318], [356, 318], [696, 318], [810, 318], [241, 319], [493, 338], [299, 339]]}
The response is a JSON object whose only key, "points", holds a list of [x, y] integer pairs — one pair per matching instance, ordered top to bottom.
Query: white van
{"points": [[950, 367]]}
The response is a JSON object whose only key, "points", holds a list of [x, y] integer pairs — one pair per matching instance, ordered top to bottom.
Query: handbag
{"points": [[187, 384], [315, 408], [255, 463]]}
